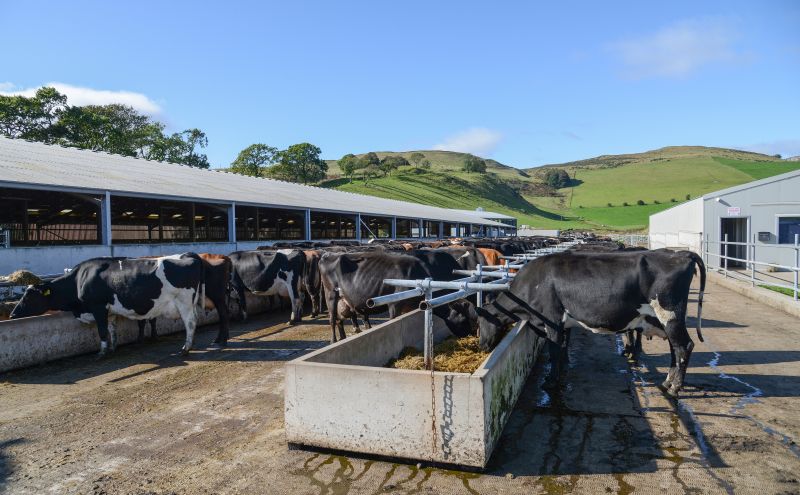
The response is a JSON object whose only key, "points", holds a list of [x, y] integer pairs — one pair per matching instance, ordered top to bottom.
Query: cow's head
{"points": [[35, 301], [461, 319], [490, 327]]}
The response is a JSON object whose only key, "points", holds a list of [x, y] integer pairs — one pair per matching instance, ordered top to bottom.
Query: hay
{"points": [[23, 277], [451, 355]]}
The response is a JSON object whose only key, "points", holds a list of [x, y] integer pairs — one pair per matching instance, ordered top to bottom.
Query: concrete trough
{"points": [[40, 339], [342, 397]]}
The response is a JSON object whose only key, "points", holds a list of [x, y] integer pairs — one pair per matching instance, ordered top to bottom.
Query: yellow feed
{"points": [[454, 355]]}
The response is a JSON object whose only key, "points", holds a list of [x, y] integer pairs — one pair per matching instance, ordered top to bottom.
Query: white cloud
{"points": [[679, 49], [80, 96], [477, 140], [785, 147]]}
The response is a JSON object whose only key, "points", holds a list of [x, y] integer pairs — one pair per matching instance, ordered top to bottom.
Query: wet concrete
{"points": [[148, 421]]}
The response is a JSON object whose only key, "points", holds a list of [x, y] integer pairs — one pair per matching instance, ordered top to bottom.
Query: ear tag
{"points": [[46, 292]]}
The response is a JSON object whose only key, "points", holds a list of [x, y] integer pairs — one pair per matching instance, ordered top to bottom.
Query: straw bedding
{"points": [[451, 355]]}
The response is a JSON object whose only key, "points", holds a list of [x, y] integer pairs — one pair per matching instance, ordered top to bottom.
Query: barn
{"points": [[60, 206], [759, 219]]}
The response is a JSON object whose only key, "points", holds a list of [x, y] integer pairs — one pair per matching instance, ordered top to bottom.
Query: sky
{"points": [[525, 83]]}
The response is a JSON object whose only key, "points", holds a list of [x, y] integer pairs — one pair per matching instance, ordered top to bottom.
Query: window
{"points": [[787, 228]]}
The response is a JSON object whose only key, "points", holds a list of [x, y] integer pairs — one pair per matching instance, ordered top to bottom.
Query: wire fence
{"points": [[738, 260]]}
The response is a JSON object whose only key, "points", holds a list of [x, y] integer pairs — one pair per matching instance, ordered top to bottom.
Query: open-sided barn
{"points": [[60, 205]]}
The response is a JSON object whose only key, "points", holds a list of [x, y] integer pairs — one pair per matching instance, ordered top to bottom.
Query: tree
{"points": [[32, 117], [111, 128], [180, 147], [416, 158], [252, 160], [369, 162], [299, 163], [390, 163], [348, 164], [426, 164], [474, 164], [556, 178], [688, 197], [640, 202]]}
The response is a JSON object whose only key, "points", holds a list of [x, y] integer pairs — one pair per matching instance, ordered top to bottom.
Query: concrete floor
{"points": [[147, 421]]}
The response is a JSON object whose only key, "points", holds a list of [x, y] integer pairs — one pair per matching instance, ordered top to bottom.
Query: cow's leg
{"points": [[240, 293], [331, 298], [314, 301], [188, 313], [101, 318], [224, 320], [354, 320], [366, 320], [141, 324], [112, 332], [153, 332], [630, 338], [681, 345], [555, 346], [637, 346]]}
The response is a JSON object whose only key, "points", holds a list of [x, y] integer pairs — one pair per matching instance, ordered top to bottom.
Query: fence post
{"points": [[725, 255], [796, 261], [753, 263], [480, 280], [428, 330]]}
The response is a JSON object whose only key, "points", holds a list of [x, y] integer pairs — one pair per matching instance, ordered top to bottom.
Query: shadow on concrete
{"points": [[5, 462]]}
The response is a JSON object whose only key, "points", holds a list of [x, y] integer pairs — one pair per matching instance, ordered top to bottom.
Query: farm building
{"points": [[60, 206], [762, 217]]}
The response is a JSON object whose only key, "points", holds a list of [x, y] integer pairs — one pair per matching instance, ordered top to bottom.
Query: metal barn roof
{"points": [[38, 165], [487, 214]]}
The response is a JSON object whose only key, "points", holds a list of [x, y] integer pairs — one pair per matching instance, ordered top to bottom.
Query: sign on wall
{"points": [[734, 211]]}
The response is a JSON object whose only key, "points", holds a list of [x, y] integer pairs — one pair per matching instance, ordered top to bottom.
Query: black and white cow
{"points": [[266, 273], [350, 279], [103, 289], [604, 293]]}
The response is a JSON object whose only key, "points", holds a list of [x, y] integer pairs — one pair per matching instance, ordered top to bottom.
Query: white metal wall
{"points": [[678, 227]]}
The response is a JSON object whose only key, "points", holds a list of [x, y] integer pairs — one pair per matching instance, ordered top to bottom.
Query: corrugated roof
{"points": [[43, 165], [487, 214]]}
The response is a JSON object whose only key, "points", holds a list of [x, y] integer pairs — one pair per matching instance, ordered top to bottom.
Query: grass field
{"points": [[659, 175]]}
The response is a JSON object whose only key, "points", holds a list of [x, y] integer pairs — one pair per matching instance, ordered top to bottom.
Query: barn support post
{"points": [[105, 219], [232, 223], [307, 224], [358, 227], [394, 227], [421, 228], [441, 230], [725, 255], [796, 261], [753, 263], [480, 281]]}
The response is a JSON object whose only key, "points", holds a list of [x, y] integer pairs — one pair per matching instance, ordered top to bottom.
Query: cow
{"points": [[491, 256], [217, 273], [266, 273], [350, 279], [312, 281], [103, 289], [604, 293]]}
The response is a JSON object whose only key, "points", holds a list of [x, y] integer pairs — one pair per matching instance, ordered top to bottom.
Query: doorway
{"points": [[736, 229]]}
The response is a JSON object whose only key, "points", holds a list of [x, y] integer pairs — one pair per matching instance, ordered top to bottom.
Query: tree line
{"points": [[47, 117]]}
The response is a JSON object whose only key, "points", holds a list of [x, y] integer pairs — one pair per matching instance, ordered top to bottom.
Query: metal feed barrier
{"points": [[755, 276], [473, 283]]}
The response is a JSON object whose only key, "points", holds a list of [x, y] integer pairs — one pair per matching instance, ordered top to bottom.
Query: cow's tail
{"points": [[701, 267], [334, 309]]}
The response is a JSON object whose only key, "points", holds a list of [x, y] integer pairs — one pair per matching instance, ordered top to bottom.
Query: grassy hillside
{"points": [[659, 178]]}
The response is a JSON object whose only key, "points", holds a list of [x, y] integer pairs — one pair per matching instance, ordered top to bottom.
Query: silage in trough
{"points": [[451, 355]]}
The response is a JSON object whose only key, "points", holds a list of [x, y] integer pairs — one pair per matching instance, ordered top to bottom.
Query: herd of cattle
{"points": [[599, 286]]}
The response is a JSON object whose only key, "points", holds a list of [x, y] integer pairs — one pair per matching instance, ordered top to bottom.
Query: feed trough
{"points": [[342, 397]]}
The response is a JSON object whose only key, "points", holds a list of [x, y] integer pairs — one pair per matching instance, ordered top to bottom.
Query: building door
{"points": [[736, 229]]}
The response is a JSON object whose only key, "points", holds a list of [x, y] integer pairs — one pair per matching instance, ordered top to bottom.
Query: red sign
{"points": [[734, 211]]}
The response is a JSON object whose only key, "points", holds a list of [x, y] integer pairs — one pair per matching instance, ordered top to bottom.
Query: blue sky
{"points": [[524, 83]]}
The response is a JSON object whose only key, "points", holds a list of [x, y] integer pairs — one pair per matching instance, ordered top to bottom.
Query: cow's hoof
{"points": [[217, 346], [184, 351]]}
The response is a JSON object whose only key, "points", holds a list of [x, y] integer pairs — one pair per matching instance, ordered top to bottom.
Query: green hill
{"points": [[659, 178]]}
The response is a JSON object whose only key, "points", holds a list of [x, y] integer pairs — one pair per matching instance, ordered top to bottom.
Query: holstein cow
{"points": [[266, 273], [217, 277], [350, 279], [137, 289], [604, 293]]}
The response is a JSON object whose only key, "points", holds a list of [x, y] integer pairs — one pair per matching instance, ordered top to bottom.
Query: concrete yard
{"points": [[148, 421]]}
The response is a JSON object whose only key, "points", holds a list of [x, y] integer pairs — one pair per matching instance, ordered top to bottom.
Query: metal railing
{"points": [[5, 238], [750, 273], [472, 284]]}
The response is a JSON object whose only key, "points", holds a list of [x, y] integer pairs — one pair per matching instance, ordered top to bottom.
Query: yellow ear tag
{"points": [[46, 292]]}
